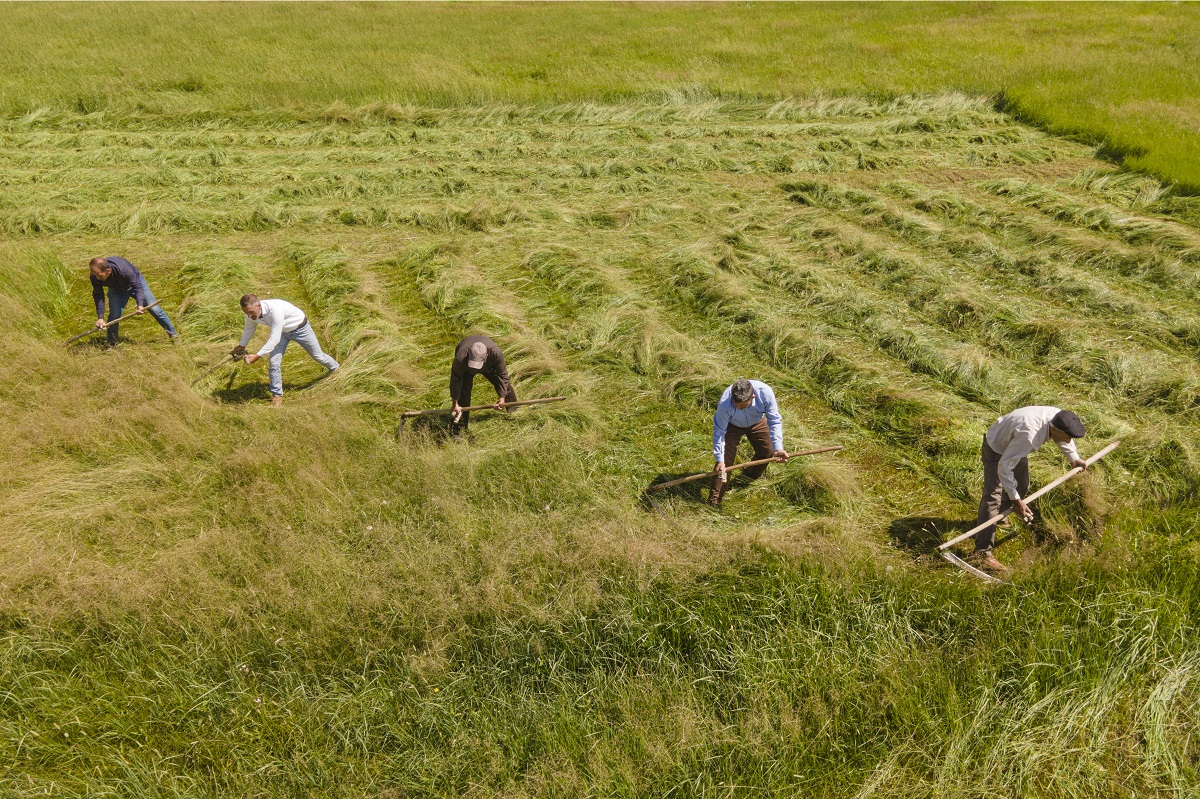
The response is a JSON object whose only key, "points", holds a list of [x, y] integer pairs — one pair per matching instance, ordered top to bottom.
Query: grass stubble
{"points": [[203, 596]]}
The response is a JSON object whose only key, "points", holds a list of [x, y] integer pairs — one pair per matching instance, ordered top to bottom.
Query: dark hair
{"points": [[248, 300], [741, 390]]}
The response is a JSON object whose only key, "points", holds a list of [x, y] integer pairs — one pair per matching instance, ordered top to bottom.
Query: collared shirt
{"points": [[125, 278], [278, 315], [493, 367], [762, 403], [1017, 435]]}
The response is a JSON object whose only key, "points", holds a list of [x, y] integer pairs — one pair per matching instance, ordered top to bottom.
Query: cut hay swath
{"points": [[944, 549]]}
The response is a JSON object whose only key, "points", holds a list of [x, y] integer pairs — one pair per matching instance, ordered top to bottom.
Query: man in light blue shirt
{"points": [[747, 408]]}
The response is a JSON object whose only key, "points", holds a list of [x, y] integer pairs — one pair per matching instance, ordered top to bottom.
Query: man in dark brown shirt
{"points": [[474, 355]]}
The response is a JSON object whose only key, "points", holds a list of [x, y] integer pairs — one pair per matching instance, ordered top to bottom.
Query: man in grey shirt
{"points": [[1005, 455]]}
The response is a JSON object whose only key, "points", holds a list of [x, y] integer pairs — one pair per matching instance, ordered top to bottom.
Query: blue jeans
{"points": [[116, 306], [307, 339]]}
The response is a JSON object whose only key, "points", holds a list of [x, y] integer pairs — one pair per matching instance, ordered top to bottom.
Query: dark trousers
{"points": [[464, 398], [760, 438], [994, 499]]}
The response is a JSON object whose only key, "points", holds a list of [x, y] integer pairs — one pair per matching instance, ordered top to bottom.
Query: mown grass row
{"points": [[1120, 78], [283, 180], [1159, 382]]}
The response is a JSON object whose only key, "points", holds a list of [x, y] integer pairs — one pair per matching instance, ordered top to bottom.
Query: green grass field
{"points": [[204, 596]]}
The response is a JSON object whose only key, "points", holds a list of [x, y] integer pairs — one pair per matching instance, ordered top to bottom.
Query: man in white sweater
{"points": [[286, 324], [1005, 454]]}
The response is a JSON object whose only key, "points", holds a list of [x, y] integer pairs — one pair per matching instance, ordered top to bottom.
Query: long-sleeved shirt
{"points": [[124, 277], [280, 316], [493, 367], [762, 403], [1018, 434]]}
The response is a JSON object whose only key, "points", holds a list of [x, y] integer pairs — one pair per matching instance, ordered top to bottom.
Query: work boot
{"points": [[277, 402], [716, 492], [988, 561]]}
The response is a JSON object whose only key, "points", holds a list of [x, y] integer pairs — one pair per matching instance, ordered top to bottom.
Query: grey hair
{"points": [[248, 300], [741, 390]]}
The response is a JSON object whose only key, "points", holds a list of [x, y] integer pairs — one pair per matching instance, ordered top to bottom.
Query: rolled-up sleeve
{"points": [[774, 419], [720, 425], [1068, 450]]}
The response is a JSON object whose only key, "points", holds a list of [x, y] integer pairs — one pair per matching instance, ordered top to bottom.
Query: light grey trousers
{"points": [[307, 339], [994, 499]]}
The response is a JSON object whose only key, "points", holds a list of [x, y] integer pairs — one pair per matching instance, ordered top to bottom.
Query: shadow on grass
{"points": [[97, 342], [92, 343], [249, 392], [434, 429], [693, 492], [920, 535]]}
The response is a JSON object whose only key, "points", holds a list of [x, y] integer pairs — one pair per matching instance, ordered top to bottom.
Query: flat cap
{"points": [[1069, 423]]}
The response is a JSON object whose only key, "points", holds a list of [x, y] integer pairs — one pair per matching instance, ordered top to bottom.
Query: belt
{"points": [[303, 324]]}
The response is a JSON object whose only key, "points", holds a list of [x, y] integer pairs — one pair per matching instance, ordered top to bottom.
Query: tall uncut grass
{"points": [[204, 596]]}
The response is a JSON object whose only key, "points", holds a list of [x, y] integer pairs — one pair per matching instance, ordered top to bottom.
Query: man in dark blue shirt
{"points": [[122, 280]]}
